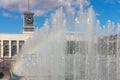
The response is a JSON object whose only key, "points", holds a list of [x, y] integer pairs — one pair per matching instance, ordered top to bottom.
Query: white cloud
{"points": [[109, 1], [112, 1], [118, 1], [39, 6], [39, 12], [5, 14], [97, 14]]}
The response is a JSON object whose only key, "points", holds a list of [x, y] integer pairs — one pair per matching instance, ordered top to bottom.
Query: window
{"points": [[20, 44], [71, 46], [13, 47], [76, 47], [5, 48]]}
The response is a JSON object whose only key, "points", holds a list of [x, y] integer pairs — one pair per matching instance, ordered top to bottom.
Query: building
{"points": [[10, 44]]}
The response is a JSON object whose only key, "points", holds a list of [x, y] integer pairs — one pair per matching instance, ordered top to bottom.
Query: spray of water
{"points": [[70, 46]]}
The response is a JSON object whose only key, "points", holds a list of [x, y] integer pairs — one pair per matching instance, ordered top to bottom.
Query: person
{"points": [[1, 75]]}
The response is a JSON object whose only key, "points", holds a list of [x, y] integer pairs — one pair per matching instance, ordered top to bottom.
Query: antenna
{"points": [[28, 6]]}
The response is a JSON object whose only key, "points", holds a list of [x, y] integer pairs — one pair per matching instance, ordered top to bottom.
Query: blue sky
{"points": [[107, 10], [11, 12]]}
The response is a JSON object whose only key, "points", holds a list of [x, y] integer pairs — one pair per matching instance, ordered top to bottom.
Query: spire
{"points": [[28, 6]]}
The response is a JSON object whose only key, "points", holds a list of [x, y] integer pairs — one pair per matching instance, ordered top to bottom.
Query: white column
{"points": [[17, 46], [1, 48], [9, 48]]}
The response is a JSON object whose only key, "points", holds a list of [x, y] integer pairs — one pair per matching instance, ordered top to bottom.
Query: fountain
{"points": [[70, 46]]}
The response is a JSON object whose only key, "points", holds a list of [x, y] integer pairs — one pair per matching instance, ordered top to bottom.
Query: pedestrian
{"points": [[1, 75]]}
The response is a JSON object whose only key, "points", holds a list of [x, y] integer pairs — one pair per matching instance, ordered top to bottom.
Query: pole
{"points": [[28, 6]]}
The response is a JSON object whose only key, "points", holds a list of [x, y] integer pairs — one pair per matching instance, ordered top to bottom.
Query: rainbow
{"points": [[17, 65]]}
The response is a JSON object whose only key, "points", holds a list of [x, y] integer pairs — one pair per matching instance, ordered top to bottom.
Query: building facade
{"points": [[10, 44]]}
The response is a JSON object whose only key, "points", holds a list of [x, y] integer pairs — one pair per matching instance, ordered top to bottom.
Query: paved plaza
{"points": [[6, 74]]}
